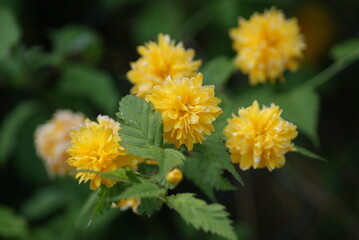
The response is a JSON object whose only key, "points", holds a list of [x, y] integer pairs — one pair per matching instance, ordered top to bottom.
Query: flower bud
{"points": [[174, 176]]}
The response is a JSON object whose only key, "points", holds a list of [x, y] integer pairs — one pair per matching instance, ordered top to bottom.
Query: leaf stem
{"points": [[332, 70]]}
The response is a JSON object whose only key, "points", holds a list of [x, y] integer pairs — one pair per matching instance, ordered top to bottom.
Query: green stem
{"points": [[194, 23], [332, 70], [163, 199]]}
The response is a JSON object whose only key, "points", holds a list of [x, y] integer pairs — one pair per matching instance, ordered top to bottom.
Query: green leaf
{"points": [[150, 22], [9, 31], [75, 40], [344, 48], [217, 71], [94, 85], [301, 107], [12, 125], [141, 125], [214, 150], [309, 154], [167, 160], [119, 174], [124, 174], [206, 175], [141, 190], [103, 202], [43, 203], [148, 206], [208, 217], [84, 218], [11, 225]]}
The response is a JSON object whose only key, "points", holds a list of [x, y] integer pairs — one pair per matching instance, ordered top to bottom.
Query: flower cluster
{"points": [[266, 45], [158, 61], [166, 75], [188, 109], [259, 137], [52, 139], [95, 147]]}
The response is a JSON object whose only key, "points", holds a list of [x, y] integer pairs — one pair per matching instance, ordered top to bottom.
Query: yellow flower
{"points": [[266, 45], [158, 61], [188, 109], [53, 138], [259, 138], [95, 146], [175, 176], [132, 203], [125, 204]]}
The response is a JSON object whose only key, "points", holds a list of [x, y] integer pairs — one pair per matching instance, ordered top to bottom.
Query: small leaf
{"points": [[9, 31], [344, 48], [217, 71], [94, 85], [12, 125], [141, 125], [215, 150], [309, 154], [167, 160], [124, 174], [206, 175], [141, 190], [103, 202], [148, 206], [210, 218], [11, 225]]}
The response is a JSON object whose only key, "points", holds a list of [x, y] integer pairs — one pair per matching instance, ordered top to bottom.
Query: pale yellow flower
{"points": [[266, 45], [158, 61], [188, 109], [53, 138], [259, 138], [95, 146], [175, 176], [132, 203]]}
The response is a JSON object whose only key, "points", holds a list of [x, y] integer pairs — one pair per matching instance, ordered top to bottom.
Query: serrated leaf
{"points": [[9, 31], [344, 48], [217, 71], [94, 85], [12, 125], [141, 125], [214, 150], [309, 154], [167, 160], [124, 174], [206, 175], [140, 190], [103, 201], [148, 206], [208, 217], [12, 226]]}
